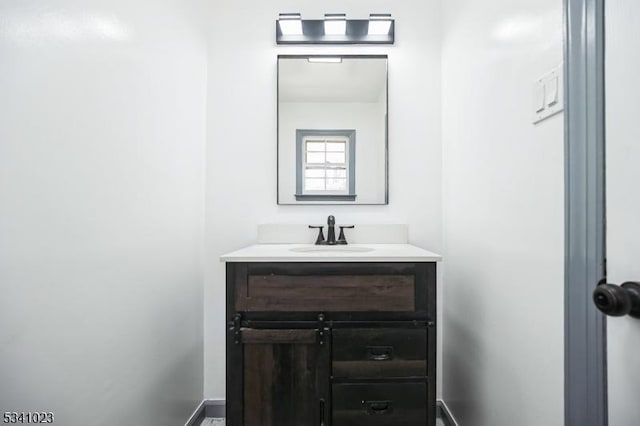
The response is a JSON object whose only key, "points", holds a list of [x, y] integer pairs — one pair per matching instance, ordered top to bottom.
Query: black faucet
{"points": [[331, 233]]}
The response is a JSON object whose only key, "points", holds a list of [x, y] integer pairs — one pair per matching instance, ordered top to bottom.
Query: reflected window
{"points": [[325, 165]]}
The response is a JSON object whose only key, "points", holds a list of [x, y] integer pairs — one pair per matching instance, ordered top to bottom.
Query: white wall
{"points": [[365, 118], [242, 120], [102, 131], [623, 202], [503, 215]]}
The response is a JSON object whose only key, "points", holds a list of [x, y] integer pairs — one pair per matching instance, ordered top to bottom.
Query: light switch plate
{"points": [[548, 95], [539, 98]]}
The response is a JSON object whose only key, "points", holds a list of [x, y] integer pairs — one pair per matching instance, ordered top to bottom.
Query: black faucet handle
{"points": [[320, 238], [341, 238]]}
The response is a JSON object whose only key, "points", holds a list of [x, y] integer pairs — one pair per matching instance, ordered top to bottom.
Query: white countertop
{"points": [[348, 253]]}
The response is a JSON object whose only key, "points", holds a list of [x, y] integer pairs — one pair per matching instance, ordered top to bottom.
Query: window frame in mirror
{"points": [[349, 135]]}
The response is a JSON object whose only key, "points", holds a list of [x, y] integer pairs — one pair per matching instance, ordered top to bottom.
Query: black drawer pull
{"points": [[380, 353], [376, 408]]}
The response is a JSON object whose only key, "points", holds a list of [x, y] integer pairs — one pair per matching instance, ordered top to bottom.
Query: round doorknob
{"points": [[618, 301]]}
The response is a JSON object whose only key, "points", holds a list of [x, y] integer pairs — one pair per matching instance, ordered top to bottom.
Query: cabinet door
{"points": [[285, 375]]}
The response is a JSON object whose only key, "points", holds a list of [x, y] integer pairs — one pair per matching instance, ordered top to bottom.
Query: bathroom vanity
{"points": [[342, 336]]}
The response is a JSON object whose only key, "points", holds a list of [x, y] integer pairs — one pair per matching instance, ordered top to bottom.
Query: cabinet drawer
{"points": [[327, 293], [379, 352], [380, 404]]}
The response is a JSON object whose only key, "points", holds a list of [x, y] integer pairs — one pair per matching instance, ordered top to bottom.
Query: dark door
{"points": [[285, 376]]}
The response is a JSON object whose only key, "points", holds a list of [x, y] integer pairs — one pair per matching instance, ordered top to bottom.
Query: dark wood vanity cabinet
{"points": [[331, 344]]}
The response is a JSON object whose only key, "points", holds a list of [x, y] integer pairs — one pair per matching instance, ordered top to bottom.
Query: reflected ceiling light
{"points": [[290, 23], [379, 23], [335, 24], [325, 59]]}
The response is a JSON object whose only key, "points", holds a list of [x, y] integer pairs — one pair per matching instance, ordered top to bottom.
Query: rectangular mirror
{"points": [[332, 129]]}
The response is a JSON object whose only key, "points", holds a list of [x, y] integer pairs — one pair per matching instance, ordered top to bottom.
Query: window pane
{"points": [[315, 146], [336, 146], [315, 157], [336, 157], [314, 173], [336, 173], [314, 184], [336, 184]]}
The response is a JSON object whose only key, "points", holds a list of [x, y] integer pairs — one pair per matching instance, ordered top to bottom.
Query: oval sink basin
{"points": [[331, 249]]}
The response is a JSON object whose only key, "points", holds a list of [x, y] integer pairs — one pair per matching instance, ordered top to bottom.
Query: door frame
{"points": [[585, 250]]}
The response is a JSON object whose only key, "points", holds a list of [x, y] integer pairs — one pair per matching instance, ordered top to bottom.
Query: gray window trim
{"points": [[351, 147], [585, 327]]}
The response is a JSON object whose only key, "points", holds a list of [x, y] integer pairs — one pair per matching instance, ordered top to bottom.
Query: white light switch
{"points": [[551, 91], [548, 95], [539, 97]]}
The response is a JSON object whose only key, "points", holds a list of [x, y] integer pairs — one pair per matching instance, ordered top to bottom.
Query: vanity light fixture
{"points": [[290, 24], [335, 24], [379, 24], [335, 28]]}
